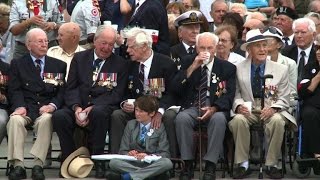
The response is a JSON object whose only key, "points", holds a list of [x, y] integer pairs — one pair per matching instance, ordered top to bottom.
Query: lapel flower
{"points": [[215, 79], [151, 131]]}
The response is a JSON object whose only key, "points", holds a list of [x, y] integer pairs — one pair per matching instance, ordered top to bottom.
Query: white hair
{"points": [[239, 5], [311, 24], [101, 28], [33, 31], [210, 35], [140, 37]]}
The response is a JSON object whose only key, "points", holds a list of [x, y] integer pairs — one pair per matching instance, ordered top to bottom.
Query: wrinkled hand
{"points": [[48, 26], [198, 61], [129, 108], [46, 109], [241, 109], [20, 111], [208, 112], [267, 113], [79, 121], [156, 121], [133, 153], [140, 156]]}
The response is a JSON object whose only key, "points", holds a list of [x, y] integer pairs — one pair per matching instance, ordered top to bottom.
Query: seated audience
{"points": [[206, 85], [95, 86], [36, 87], [309, 91], [274, 115], [140, 140]]}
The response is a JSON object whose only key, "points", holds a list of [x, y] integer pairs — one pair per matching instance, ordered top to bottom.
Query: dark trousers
{"points": [[119, 120], [64, 124], [311, 125]]}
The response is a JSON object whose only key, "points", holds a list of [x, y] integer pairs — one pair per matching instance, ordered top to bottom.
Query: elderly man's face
{"points": [[218, 11], [284, 23], [189, 32], [303, 36], [65, 37], [38, 44], [104, 44], [206, 44], [258, 51], [135, 52]]}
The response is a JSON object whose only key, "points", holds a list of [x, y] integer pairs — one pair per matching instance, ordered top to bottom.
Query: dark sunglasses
{"points": [[246, 28], [272, 30]]}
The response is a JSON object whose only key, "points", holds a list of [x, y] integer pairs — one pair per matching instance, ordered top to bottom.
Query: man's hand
{"points": [[37, 20], [48, 26], [198, 61], [128, 108], [46, 109], [241, 109], [20, 111], [208, 112], [267, 113], [79, 121], [156, 121], [133, 153], [140, 156]]}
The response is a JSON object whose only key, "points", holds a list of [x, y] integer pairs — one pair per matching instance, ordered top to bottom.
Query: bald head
{"points": [[251, 24], [34, 33], [69, 36]]}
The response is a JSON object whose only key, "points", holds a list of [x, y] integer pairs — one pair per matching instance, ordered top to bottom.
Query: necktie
{"points": [[286, 40], [190, 50], [96, 64], [301, 65], [38, 66], [141, 73], [256, 85], [202, 96], [143, 133]]}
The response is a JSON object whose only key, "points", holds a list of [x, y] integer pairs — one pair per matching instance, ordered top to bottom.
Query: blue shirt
{"points": [[42, 59], [253, 70]]}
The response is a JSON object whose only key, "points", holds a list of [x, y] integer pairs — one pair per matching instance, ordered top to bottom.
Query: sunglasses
{"points": [[247, 28], [273, 30]]}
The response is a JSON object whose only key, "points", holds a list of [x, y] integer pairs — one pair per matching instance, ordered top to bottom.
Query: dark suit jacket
{"points": [[152, 15], [178, 51], [292, 52], [161, 67], [4, 70], [187, 87], [27, 89], [80, 89], [310, 98], [157, 143]]}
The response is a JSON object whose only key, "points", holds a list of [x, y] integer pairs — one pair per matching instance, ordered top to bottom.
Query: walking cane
{"points": [[199, 129], [261, 130]]}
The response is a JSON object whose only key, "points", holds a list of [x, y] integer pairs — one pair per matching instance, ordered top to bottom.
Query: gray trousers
{"points": [[3, 123], [216, 126], [141, 170]]}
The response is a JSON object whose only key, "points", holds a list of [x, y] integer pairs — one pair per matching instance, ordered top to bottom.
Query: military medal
{"points": [[214, 78]]}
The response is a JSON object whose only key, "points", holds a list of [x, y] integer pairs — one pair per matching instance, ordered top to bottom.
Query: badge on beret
{"points": [[193, 17]]}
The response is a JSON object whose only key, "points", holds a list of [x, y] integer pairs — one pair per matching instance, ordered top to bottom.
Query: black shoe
{"points": [[316, 168], [100, 169], [210, 171], [187, 172], [18, 173], [37, 173], [241, 173], [274, 173], [112, 175]]}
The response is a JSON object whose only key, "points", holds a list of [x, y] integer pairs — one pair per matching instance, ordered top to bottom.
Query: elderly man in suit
{"points": [[151, 14], [188, 25], [302, 51], [149, 73], [206, 85], [95, 86], [36, 88], [274, 114], [140, 140]]}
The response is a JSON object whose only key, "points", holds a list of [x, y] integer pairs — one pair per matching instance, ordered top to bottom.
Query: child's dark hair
{"points": [[147, 103]]}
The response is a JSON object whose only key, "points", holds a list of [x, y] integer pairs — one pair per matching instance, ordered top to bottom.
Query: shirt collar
{"points": [[140, 2], [186, 46], [307, 50], [72, 54], [42, 59], [148, 62], [147, 125]]}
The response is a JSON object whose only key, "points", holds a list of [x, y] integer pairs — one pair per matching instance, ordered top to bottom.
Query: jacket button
{"points": [[89, 96], [38, 103]]}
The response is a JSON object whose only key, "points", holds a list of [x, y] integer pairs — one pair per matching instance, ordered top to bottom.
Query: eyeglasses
{"points": [[273, 30], [224, 40], [40, 42]]}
